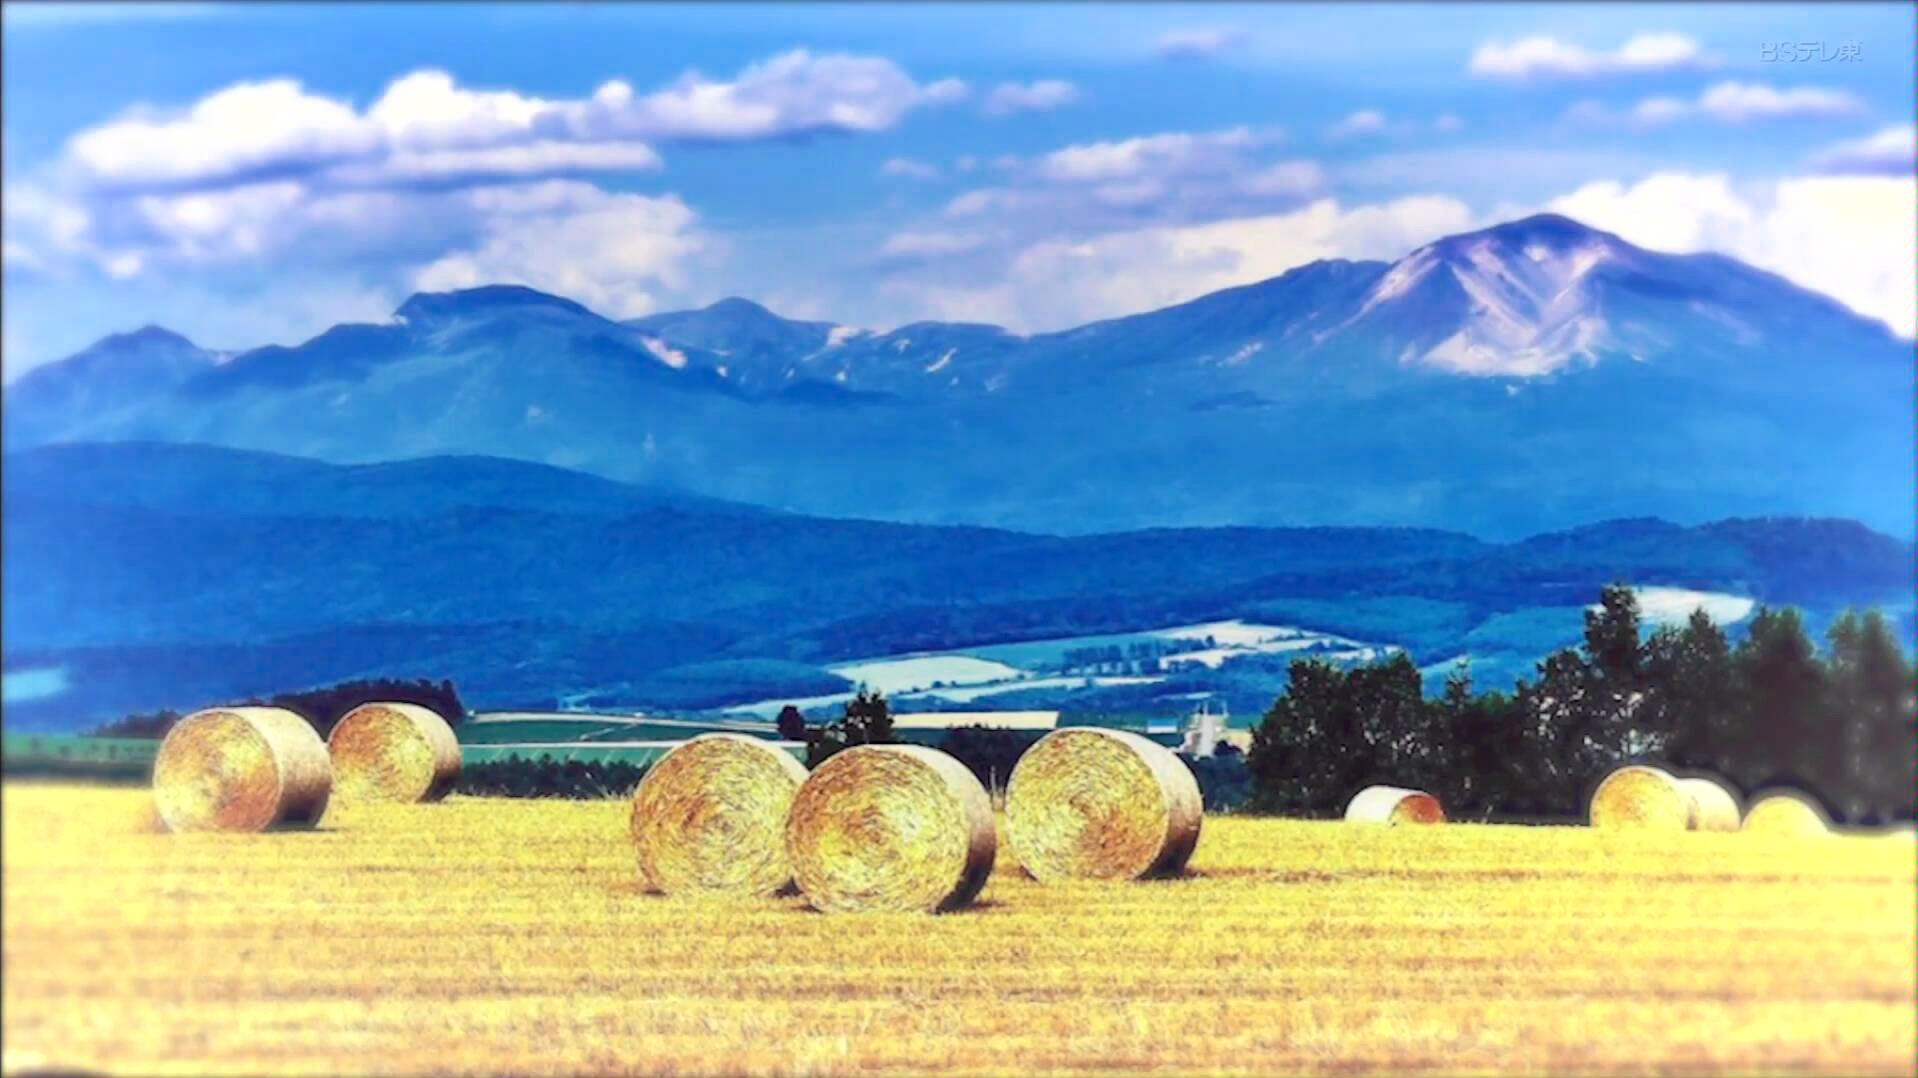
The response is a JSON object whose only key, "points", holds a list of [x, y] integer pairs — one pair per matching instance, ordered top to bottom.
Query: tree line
{"points": [[324, 708], [1772, 710]]}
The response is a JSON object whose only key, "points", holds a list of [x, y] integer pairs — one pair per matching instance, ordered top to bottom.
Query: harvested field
{"points": [[492, 937]]}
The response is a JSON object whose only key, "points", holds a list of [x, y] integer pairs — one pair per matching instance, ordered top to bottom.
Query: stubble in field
{"points": [[492, 937]]}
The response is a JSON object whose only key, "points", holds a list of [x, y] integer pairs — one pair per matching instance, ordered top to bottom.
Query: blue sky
{"points": [[251, 174]]}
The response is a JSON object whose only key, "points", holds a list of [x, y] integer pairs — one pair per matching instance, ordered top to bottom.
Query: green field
{"points": [[593, 728], [598, 739], [585, 752], [77, 756]]}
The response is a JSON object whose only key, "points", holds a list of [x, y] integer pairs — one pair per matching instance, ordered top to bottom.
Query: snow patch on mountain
{"points": [[1531, 309], [664, 352]]}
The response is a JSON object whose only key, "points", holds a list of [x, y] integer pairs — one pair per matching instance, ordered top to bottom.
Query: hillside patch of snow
{"points": [[1251, 349], [664, 352], [1674, 606]]}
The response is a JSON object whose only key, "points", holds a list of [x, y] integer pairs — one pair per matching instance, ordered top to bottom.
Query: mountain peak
{"points": [[1545, 227], [482, 300], [1512, 300], [739, 306], [147, 336], [115, 372]]}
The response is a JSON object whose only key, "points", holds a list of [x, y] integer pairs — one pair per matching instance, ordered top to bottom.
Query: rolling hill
{"points": [[139, 576]]}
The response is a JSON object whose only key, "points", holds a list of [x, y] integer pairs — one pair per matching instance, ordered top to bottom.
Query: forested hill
{"points": [[147, 577]]}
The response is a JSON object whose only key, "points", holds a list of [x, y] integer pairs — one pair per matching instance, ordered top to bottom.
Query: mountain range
{"points": [[1532, 376], [140, 575]]}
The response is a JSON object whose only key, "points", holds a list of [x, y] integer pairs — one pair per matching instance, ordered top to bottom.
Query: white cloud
{"points": [[1196, 42], [1543, 56], [944, 92], [793, 93], [1040, 96], [1738, 101], [1725, 102], [429, 110], [1658, 110], [1648, 113], [1363, 122], [1371, 123], [426, 126], [248, 128], [1172, 152], [1890, 152], [543, 158], [906, 166], [1485, 171], [430, 173], [1165, 178], [1285, 178], [1082, 192], [983, 200], [39, 220], [213, 225], [1854, 238], [929, 244], [613, 252], [617, 252], [1057, 283]]}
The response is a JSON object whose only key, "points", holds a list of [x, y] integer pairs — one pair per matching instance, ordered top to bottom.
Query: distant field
{"points": [[962, 675], [504, 729], [493, 736], [637, 753], [114, 758], [497, 937]]}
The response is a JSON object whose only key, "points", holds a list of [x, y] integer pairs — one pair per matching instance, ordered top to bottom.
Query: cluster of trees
{"points": [[1138, 657], [322, 707], [1770, 710], [867, 721], [990, 753], [547, 777], [1225, 783]]}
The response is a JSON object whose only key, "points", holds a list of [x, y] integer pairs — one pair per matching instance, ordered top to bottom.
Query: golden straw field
{"points": [[513, 937]]}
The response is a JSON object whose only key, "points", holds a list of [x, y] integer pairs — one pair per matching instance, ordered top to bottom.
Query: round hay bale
{"points": [[394, 752], [241, 769], [1640, 797], [1092, 804], [1394, 805], [1713, 806], [711, 816], [1788, 816], [891, 827]]}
